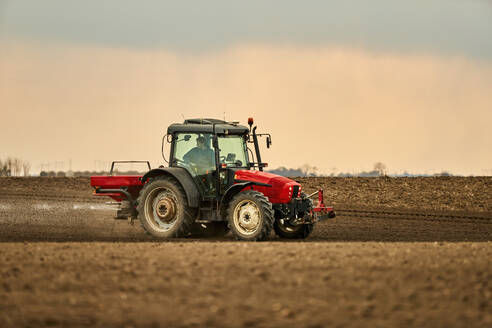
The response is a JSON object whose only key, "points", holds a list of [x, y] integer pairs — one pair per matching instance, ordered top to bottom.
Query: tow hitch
{"points": [[321, 211]]}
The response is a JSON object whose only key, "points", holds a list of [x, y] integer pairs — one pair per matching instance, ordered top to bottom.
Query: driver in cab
{"points": [[201, 156]]}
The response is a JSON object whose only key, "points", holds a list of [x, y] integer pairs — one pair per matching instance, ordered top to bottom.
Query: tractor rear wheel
{"points": [[163, 209], [250, 216], [209, 230], [285, 230]]}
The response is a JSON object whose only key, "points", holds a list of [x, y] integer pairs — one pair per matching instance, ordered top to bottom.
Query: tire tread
{"points": [[266, 208], [185, 227]]}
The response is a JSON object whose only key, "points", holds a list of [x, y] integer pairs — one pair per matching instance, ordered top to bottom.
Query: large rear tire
{"points": [[163, 209], [250, 216]]}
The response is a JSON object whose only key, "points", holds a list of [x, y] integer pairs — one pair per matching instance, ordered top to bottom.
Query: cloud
{"points": [[439, 26], [327, 106]]}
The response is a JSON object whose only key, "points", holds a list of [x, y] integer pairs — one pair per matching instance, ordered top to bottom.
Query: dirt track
{"points": [[352, 272]]}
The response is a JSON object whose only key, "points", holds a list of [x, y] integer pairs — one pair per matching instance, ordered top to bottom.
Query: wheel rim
{"points": [[161, 209], [247, 217]]}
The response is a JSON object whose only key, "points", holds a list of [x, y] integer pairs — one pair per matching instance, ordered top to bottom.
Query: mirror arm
{"points": [[162, 147], [257, 148]]}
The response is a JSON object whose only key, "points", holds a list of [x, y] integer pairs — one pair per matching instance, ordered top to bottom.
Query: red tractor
{"points": [[213, 185]]}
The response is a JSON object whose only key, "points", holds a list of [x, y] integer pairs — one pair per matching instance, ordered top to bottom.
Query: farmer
{"points": [[202, 156]]}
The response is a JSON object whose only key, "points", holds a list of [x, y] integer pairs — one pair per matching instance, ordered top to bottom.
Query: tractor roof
{"points": [[205, 125]]}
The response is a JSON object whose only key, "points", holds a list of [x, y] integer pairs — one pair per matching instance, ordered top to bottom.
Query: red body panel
{"points": [[132, 182], [278, 193]]}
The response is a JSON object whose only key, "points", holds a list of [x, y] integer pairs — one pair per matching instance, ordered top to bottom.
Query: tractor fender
{"points": [[184, 178], [229, 193]]}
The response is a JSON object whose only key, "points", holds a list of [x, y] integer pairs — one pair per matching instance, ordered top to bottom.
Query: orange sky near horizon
{"points": [[337, 108]]}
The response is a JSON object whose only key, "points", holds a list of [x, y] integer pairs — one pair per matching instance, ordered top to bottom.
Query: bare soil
{"points": [[436, 193], [66, 262]]}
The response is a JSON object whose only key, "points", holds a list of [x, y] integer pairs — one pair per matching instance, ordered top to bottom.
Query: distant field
{"points": [[439, 193]]}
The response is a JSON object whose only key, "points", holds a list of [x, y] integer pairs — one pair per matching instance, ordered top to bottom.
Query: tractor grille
{"points": [[295, 191]]}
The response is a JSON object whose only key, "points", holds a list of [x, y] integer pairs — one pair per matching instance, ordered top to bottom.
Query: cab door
{"points": [[195, 153]]}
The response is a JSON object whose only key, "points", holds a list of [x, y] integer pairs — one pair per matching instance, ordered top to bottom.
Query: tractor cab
{"points": [[211, 151]]}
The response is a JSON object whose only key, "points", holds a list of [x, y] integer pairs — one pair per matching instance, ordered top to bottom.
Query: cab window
{"points": [[233, 151], [194, 152]]}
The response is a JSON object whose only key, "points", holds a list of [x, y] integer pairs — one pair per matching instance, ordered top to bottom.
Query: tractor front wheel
{"points": [[163, 210], [250, 216], [285, 230]]}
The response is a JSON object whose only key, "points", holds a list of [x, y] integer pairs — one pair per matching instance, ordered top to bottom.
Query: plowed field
{"points": [[66, 262]]}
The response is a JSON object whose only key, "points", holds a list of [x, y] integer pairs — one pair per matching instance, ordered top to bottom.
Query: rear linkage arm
{"points": [[321, 211]]}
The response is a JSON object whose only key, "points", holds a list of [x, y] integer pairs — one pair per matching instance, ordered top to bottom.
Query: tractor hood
{"points": [[281, 191]]}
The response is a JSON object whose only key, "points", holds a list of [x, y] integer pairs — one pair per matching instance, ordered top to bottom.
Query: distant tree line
{"points": [[12, 166], [16, 167], [379, 170], [304, 171], [312, 171]]}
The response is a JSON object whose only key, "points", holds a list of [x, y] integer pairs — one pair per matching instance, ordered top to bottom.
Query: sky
{"points": [[339, 85]]}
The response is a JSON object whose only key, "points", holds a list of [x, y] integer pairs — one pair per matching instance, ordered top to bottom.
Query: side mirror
{"points": [[268, 141]]}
